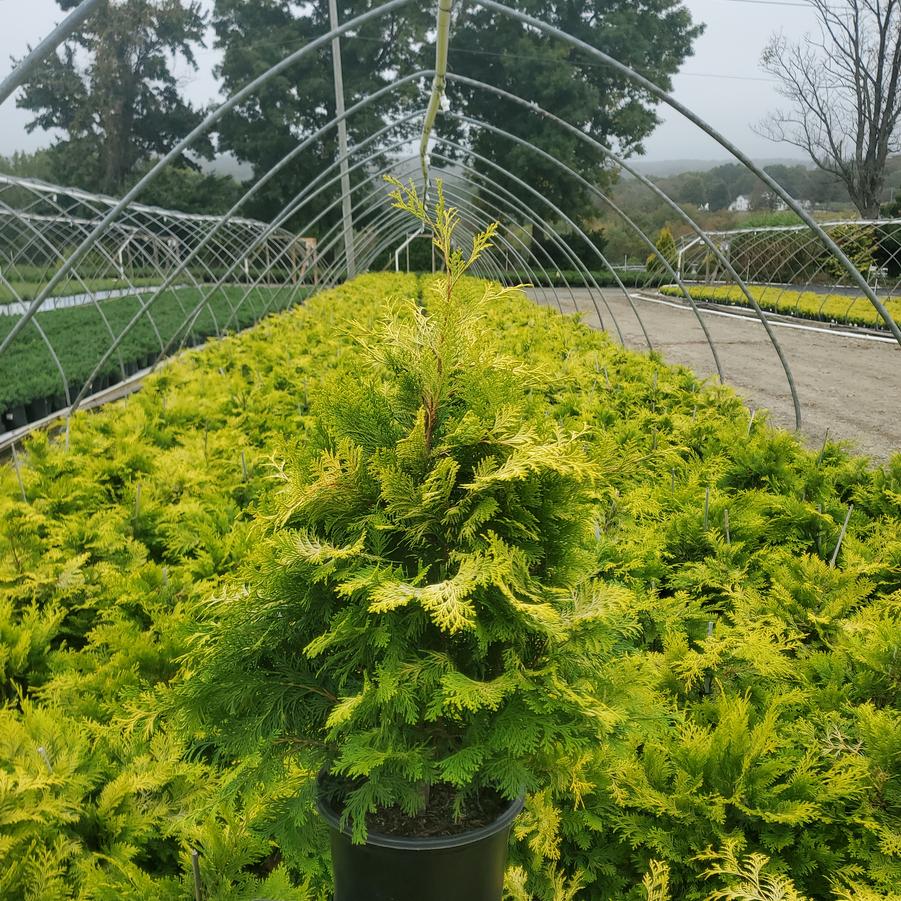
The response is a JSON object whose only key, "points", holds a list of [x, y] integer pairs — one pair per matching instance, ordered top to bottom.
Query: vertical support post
{"points": [[342, 144]]}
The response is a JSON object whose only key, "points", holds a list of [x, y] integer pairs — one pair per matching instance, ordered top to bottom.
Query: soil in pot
{"points": [[438, 818]]}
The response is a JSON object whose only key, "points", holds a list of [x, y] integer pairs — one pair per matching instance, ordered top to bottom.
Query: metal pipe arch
{"points": [[45, 47], [658, 92], [204, 126], [678, 210], [287, 212], [559, 212], [387, 216], [532, 217], [468, 219], [271, 227], [640, 232]]}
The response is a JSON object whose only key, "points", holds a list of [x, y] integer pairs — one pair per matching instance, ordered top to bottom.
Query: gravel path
{"points": [[848, 384]]}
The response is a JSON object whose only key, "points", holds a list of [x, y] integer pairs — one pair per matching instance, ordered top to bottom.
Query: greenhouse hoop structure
{"points": [[157, 280], [371, 529]]}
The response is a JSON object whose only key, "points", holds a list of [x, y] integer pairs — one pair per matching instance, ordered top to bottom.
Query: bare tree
{"points": [[843, 86]]}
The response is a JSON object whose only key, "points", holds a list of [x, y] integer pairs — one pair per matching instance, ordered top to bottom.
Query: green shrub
{"points": [[81, 335], [408, 618]]}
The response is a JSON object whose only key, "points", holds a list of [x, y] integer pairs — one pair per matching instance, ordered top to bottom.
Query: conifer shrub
{"points": [[666, 247], [412, 619]]}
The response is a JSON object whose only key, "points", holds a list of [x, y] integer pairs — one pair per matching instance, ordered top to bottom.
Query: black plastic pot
{"points": [[37, 408], [14, 417], [465, 867]]}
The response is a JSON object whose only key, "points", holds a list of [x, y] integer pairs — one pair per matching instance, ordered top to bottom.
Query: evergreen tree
{"points": [[859, 244], [666, 247], [412, 617]]}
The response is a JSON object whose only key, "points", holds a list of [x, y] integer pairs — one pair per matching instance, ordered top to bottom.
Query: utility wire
{"points": [[297, 42]]}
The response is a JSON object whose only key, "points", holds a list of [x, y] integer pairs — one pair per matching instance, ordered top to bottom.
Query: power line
{"points": [[297, 42], [732, 77]]}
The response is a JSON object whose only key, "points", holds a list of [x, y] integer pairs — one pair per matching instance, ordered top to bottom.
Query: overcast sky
{"points": [[722, 82]]}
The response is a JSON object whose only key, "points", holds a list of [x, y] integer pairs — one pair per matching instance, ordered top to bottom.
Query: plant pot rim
{"points": [[421, 843]]}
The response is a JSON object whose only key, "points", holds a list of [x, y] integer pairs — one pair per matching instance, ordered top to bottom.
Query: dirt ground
{"points": [[846, 383]]}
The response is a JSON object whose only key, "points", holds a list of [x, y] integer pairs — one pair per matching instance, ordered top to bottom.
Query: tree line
{"points": [[112, 97]]}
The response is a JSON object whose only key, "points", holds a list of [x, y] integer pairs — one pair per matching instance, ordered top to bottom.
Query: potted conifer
{"points": [[404, 627]]}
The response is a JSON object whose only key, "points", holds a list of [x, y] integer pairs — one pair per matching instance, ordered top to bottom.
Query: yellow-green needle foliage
{"points": [[824, 306], [410, 612], [750, 674]]}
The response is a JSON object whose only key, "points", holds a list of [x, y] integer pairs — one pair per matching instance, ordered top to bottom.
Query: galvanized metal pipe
{"points": [[62, 31]]}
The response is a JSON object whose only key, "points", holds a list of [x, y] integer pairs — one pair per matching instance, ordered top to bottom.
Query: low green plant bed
{"points": [[603, 278], [831, 307], [81, 335], [747, 667]]}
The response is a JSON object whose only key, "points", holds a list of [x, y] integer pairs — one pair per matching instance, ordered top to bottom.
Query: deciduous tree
{"points": [[652, 36], [111, 91], [843, 93], [301, 100]]}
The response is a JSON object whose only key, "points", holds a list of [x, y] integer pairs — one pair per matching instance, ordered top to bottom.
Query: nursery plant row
{"points": [[603, 278], [23, 282], [837, 307], [31, 386], [749, 592]]}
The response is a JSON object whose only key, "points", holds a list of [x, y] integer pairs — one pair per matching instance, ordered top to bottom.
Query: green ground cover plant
{"points": [[559, 278], [822, 306], [81, 335], [749, 665]]}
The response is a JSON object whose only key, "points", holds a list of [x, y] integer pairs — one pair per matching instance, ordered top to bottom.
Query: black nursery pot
{"points": [[15, 417], [465, 867]]}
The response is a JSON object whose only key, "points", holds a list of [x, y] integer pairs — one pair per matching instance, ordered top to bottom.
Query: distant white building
{"points": [[741, 204]]}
